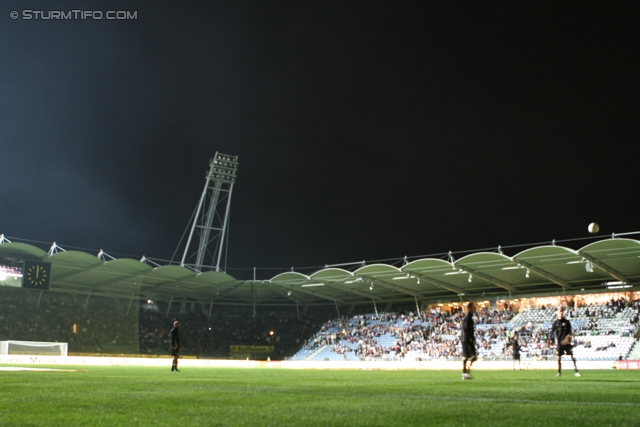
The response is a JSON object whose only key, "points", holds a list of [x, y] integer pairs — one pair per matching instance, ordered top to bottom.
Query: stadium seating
{"points": [[601, 332]]}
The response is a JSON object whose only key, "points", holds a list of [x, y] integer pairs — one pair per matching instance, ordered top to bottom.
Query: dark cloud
{"points": [[365, 130]]}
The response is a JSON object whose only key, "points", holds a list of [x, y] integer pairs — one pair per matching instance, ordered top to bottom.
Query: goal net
{"points": [[34, 348]]}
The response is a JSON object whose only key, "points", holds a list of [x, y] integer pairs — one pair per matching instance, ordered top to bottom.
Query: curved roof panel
{"points": [[615, 245], [22, 251], [546, 255], [615, 257], [75, 258], [484, 260], [127, 265], [427, 266], [562, 266], [488, 269], [377, 270], [542, 270], [170, 272], [331, 274], [290, 277], [214, 278]]}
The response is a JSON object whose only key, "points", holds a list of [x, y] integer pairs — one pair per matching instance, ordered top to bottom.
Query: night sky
{"points": [[365, 130]]}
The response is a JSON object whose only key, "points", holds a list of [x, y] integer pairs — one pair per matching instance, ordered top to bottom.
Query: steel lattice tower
{"points": [[212, 213]]}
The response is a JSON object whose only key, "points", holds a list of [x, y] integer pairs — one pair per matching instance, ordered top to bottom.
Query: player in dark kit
{"points": [[561, 330], [468, 340], [175, 345], [515, 345]]}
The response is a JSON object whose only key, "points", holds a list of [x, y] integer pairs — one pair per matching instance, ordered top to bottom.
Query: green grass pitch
{"points": [[137, 396]]}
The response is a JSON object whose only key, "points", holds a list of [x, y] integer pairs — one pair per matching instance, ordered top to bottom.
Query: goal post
{"points": [[34, 348]]}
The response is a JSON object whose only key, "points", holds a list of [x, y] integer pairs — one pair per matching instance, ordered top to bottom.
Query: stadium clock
{"points": [[37, 275]]}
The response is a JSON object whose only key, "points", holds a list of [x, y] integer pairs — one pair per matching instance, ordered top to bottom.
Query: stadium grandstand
{"points": [[409, 310]]}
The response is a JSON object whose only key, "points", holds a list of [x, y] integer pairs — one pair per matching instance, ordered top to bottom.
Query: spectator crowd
{"points": [[435, 333]]}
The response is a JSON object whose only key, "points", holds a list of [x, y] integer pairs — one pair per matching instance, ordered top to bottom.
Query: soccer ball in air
{"points": [[594, 228]]}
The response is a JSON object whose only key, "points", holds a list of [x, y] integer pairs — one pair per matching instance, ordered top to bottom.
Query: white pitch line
{"points": [[17, 368]]}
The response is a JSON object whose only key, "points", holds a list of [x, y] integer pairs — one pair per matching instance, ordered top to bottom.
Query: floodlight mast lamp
{"points": [[220, 179]]}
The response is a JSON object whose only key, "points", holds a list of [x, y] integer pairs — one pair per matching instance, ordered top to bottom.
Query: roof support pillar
{"points": [[253, 298], [87, 301], [130, 302], [170, 302], [375, 308], [338, 310], [350, 311]]}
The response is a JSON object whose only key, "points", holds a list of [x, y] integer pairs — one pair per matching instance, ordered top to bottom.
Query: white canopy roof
{"points": [[538, 271]]}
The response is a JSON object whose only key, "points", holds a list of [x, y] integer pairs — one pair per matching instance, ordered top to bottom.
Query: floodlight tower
{"points": [[212, 213]]}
